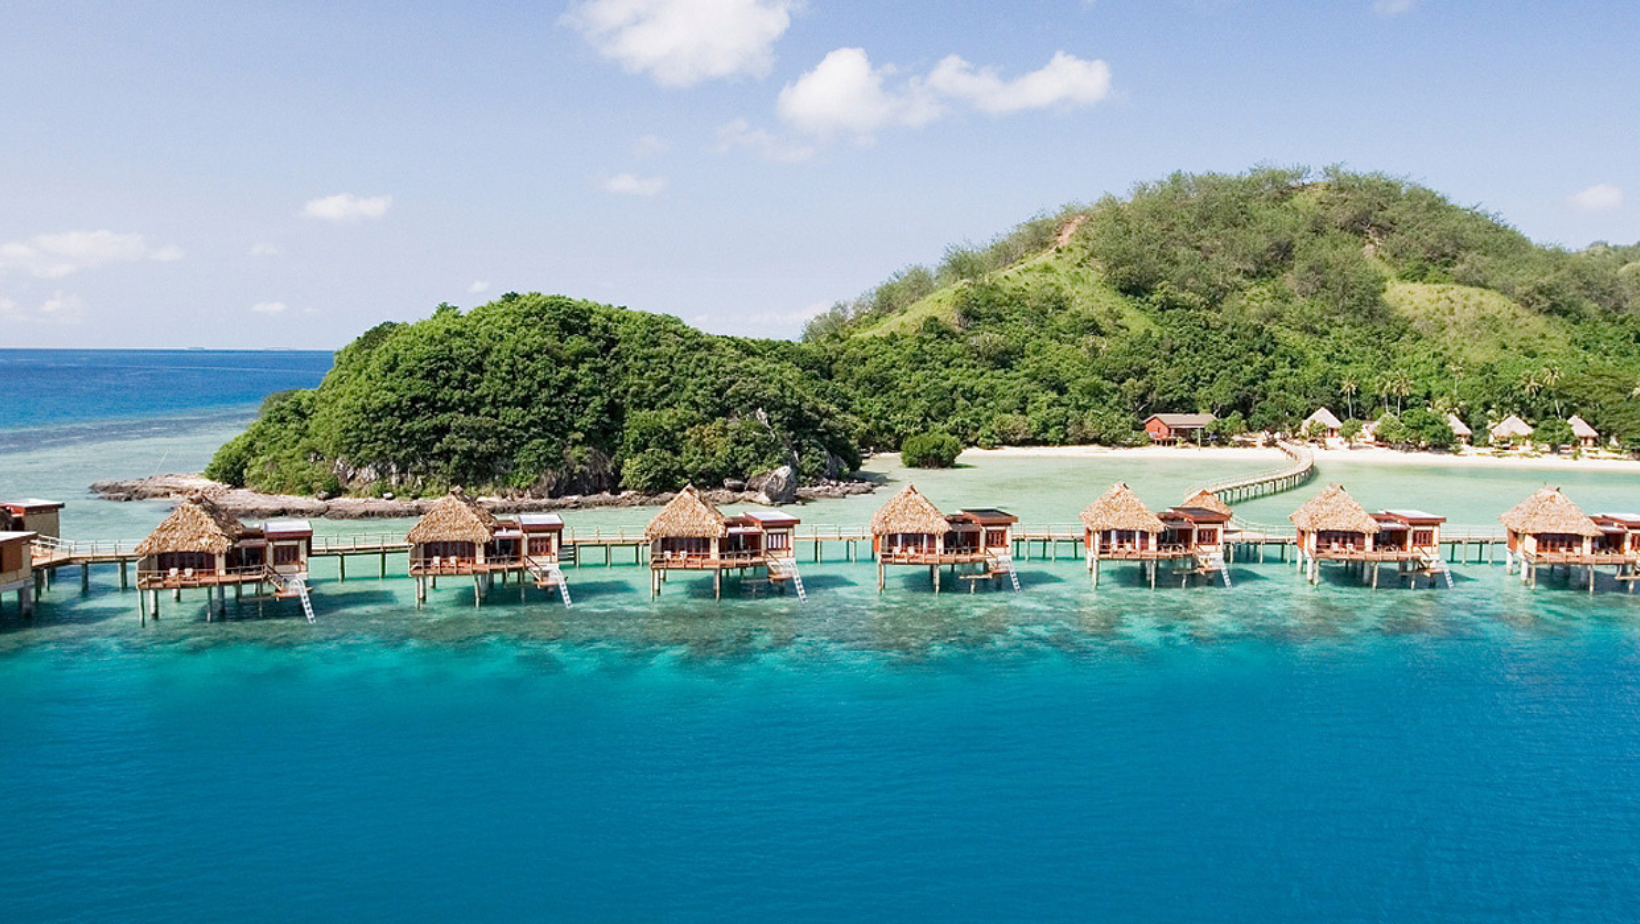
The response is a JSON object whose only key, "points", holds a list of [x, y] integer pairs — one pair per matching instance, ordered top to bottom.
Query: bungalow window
{"points": [[1207, 536], [1423, 537], [996, 538], [780, 540], [541, 545], [287, 554], [185, 561]]}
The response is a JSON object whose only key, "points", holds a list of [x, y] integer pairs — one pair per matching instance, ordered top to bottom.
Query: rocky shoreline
{"points": [[245, 503]]}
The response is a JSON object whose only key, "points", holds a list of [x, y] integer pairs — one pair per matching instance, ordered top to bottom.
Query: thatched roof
{"points": [[1325, 418], [1511, 427], [1459, 428], [1581, 428], [1207, 500], [1120, 508], [1334, 510], [1549, 511], [908, 512], [687, 516], [455, 518], [196, 525]]}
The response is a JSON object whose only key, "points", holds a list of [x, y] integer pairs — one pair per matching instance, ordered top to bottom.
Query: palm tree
{"points": [[1457, 370], [1551, 377], [1348, 388]]}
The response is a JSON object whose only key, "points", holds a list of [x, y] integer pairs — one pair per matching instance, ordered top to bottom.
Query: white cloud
{"points": [[1391, 7], [680, 43], [1066, 80], [845, 95], [738, 134], [650, 145], [628, 184], [1601, 197], [346, 207], [263, 249], [53, 256], [479, 286], [63, 308], [270, 308]]}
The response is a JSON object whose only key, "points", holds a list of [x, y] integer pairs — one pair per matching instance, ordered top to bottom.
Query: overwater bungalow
{"points": [[1325, 421], [1509, 431], [1587, 437], [34, 515], [1118, 526], [1332, 526], [1548, 529], [910, 530], [690, 534], [200, 545], [17, 567]]}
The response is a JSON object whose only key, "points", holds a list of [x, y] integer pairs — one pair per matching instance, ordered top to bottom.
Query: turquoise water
{"points": [[1271, 751]]}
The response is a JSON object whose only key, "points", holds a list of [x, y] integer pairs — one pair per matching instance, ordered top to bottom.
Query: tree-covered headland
{"points": [[1257, 297]]}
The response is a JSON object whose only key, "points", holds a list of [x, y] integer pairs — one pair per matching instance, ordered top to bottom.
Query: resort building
{"points": [[1325, 421], [1177, 428], [1460, 430], [1509, 431], [1587, 436], [33, 515], [1118, 526], [1332, 526], [1548, 529], [910, 530], [690, 534], [458, 537], [200, 545], [17, 567]]}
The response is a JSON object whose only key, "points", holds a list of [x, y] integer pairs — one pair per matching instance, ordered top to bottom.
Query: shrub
{"points": [[930, 450]]}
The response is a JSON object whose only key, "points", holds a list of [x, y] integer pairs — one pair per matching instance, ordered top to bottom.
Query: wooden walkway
{"points": [[1297, 473]]}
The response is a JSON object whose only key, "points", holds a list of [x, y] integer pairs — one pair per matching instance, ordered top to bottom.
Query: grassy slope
{"points": [[1063, 269], [1480, 324]]}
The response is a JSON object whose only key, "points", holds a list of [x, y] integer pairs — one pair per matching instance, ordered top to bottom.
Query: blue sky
{"points": [[287, 175]]}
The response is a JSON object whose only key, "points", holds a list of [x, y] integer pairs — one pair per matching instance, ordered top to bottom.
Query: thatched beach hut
{"points": [[1323, 420], [1460, 430], [1509, 431], [1587, 437], [1207, 500], [691, 534]]}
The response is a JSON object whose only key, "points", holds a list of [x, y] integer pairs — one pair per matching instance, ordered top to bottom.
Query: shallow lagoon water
{"points": [[1273, 750]]}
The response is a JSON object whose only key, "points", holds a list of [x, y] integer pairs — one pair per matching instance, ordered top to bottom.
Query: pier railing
{"points": [[1298, 471]]}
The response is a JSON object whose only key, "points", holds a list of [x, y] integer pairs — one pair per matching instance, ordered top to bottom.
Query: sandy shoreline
{"points": [[1371, 456]]}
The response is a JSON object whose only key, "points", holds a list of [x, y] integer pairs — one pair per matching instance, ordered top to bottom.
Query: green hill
{"points": [[1257, 297], [547, 395]]}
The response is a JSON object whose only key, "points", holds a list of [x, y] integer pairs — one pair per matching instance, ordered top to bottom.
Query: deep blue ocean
{"points": [[1271, 751]]}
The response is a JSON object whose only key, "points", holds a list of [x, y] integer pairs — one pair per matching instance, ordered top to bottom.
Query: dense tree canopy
{"points": [[550, 395]]}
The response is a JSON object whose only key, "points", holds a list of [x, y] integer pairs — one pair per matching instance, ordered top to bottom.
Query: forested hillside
{"points": [[1256, 297], [548, 395]]}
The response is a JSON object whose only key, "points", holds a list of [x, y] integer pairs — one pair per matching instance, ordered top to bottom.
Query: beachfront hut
{"points": [[1325, 420], [1177, 428], [1460, 430], [1510, 431], [1587, 436], [1207, 500], [1547, 528], [910, 530], [690, 534], [201, 545], [17, 567]]}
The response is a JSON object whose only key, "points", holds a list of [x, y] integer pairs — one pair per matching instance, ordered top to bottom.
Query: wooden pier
{"points": [[1297, 473]]}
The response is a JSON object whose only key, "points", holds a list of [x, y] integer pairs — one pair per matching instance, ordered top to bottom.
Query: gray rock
{"points": [[779, 486]]}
